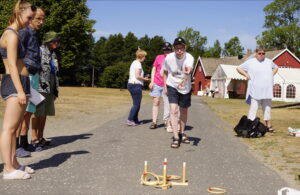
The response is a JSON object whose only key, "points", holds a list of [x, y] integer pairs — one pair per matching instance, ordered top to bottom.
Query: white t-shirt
{"points": [[133, 67], [176, 78], [260, 85]]}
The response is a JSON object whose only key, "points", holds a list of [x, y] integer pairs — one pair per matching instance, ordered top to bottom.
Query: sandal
{"points": [[153, 125], [271, 130], [184, 139], [45, 142], [36, 143], [175, 143]]}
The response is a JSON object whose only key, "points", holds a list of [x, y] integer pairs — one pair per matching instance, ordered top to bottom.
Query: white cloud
{"points": [[101, 33]]}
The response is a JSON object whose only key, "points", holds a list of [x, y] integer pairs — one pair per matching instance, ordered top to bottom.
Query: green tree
{"points": [[70, 19], [282, 26], [194, 41], [130, 47], [233, 47], [215, 51], [116, 76]]}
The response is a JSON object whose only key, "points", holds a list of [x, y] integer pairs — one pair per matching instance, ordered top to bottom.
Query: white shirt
{"points": [[133, 67], [176, 78], [260, 85]]}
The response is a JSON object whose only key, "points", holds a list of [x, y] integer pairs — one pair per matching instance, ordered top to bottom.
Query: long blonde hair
{"points": [[20, 6]]}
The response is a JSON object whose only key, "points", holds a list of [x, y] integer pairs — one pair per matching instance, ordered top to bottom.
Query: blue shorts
{"points": [[34, 83], [157, 91], [182, 100]]}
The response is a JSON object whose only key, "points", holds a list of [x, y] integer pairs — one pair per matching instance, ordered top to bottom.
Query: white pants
{"points": [[266, 106]]}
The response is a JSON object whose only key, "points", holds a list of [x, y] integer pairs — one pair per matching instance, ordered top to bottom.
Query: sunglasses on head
{"points": [[33, 8]]}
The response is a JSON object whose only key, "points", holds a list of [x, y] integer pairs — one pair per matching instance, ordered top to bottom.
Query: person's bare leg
{"points": [[155, 108], [12, 117], [183, 118], [174, 119], [25, 123], [41, 126], [34, 127]]}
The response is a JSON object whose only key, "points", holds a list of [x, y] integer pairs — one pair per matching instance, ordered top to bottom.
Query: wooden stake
{"points": [[183, 172]]}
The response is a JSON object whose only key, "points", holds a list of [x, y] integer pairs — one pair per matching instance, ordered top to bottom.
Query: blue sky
{"points": [[215, 19]]}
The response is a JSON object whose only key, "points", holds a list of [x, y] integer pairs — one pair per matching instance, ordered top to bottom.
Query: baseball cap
{"points": [[178, 41], [167, 46]]}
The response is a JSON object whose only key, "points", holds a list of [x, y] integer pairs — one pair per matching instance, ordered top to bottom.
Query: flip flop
{"points": [[16, 174]]}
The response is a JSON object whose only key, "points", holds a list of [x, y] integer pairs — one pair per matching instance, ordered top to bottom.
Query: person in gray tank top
{"points": [[14, 89]]}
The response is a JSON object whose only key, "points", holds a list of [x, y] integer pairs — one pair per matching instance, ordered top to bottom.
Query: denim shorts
{"points": [[8, 88], [157, 91], [183, 100]]}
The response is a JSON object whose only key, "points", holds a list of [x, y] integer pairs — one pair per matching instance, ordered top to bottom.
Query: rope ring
{"points": [[150, 183], [215, 190]]}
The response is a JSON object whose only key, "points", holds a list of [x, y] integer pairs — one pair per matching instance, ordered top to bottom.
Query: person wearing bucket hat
{"points": [[51, 36], [177, 75], [156, 85], [48, 86]]}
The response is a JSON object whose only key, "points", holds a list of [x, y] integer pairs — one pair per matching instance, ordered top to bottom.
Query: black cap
{"points": [[178, 41], [167, 46]]}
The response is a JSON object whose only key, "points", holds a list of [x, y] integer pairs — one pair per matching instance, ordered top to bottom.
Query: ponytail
{"points": [[17, 10]]}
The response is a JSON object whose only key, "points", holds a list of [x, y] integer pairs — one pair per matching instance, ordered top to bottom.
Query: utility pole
{"points": [[93, 76]]}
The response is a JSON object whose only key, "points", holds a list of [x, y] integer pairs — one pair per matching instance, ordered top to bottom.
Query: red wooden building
{"points": [[205, 67]]}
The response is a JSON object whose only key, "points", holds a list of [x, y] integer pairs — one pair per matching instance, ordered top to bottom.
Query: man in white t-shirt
{"points": [[178, 67], [259, 72]]}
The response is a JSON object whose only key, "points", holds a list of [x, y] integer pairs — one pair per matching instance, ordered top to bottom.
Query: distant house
{"points": [[205, 67], [231, 84]]}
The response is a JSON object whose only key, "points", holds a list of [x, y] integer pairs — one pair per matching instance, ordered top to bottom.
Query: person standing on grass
{"points": [[30, 40], [178, 67], [259, 72], [48, 86], [135, 86], [156, 87], [15, 89]]}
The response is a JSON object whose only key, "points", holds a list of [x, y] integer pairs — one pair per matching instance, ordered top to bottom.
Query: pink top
{"points": [[158, 80]]}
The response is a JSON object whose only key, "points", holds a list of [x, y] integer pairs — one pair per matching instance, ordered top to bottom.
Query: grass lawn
{"points": [[279, 150]]}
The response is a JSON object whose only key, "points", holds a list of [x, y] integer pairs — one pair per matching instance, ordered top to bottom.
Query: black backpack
{"points": [[250, 129]]}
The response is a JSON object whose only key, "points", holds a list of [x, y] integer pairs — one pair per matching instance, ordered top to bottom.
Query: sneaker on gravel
{"points": [[131, 123], [169, 129], [21, 153]]}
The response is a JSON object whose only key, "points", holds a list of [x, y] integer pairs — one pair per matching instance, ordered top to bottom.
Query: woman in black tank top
{"points": [[14, 90]]}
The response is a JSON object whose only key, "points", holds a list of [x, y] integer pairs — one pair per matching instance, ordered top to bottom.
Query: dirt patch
{"points": [[279, 151]]}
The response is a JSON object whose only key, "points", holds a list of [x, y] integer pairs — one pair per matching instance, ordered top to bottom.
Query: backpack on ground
{"points": [[250, 129]]}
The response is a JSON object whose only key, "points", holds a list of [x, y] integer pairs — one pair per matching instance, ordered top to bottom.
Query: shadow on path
{"points": [[60, 140], [194, 140], [56, 160]]}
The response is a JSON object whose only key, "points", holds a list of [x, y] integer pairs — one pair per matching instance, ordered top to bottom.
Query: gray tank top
{"points": [[21, 49]]}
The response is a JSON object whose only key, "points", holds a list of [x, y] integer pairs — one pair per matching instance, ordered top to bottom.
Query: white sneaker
{"points": [[169, 129]]}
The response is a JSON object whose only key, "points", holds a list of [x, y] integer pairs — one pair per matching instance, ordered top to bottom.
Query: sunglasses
{"points": [[32, 7], [261, 54]]}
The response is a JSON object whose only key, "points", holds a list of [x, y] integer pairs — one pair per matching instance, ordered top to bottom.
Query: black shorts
{"points": [[8, 88], [183, 100]]}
